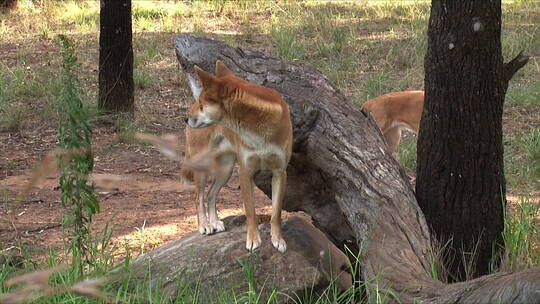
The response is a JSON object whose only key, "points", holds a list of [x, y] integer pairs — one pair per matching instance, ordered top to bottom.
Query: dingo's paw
{"points": [[218, 226], [206, 229], [253, 242], [280, 244]]}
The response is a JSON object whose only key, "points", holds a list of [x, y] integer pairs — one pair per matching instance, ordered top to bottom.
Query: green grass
{"points": [[141, 11], [85, 15], [521, 30], [352, 43], [286, 45], [146, 50], [147, 53], [364, 58], [142, 78], [20, 81], [16, 84], [376, 85], [22, 88], [525, 94], [126, 128], [531, 143], [407, 154], [522, 162], [521, 235], [126, 287]]}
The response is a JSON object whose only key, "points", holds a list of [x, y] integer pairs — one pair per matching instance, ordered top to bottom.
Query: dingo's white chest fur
{"points": [[259, 153]]}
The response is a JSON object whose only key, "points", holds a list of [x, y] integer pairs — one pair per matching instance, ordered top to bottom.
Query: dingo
{"points": [[396, 111], [238, 121]]}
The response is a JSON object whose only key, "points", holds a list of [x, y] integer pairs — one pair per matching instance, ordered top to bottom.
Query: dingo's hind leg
{"points": [[223, 174], [279, 180]]}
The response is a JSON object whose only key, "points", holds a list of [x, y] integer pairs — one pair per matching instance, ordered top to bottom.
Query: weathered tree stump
{"points": [[342, 175]]}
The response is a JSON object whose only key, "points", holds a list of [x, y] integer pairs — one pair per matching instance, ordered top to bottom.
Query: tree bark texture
{"points": [[115, 57], [342, 175], [460, 182]]}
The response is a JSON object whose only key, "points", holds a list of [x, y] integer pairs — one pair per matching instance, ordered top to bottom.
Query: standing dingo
{"points": [[237, 121]]}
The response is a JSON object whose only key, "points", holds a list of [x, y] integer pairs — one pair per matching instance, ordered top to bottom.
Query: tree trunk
{"points": [[8, 4], [115, 57], [342, 175], [460, 182]]}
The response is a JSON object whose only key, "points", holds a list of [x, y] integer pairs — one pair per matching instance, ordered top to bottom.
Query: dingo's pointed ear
{"points": [[222, 69], [207, 79], [209, 82]]}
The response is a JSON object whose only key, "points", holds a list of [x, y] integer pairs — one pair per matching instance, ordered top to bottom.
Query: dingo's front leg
{"points": [[279, 180], [200, 183], [253, 240]]}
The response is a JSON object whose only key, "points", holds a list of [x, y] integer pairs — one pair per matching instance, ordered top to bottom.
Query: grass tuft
{"points": [[285, 42], [142, 78], [376, 85], [527, 94], [126, 128], [531, 142], [407, 154], [522, 162], [521, 235]]}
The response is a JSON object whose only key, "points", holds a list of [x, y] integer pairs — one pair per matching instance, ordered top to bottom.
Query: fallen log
{"points": [[344, 177], [215, 263]]}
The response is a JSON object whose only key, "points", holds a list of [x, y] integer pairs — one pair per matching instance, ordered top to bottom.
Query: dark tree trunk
{"points": [[8, 4], [115, 57], [343, 176], [460, 182]]}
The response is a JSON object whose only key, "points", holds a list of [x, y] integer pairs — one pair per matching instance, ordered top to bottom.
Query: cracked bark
{"points": [[460, 172], [342, 175]]}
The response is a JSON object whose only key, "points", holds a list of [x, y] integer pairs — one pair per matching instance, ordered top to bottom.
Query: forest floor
{"points": [[148, 205], [145, 206]]}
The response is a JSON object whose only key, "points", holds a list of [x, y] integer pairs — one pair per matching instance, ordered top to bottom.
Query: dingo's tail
{"points": [[186, 173]]}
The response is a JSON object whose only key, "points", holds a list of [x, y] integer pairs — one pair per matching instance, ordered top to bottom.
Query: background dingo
{"points": [[394, 112]]}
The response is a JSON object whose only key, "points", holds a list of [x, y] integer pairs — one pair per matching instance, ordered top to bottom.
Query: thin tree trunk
{"points": [[115, 57], [343, 176], [460, 182]]}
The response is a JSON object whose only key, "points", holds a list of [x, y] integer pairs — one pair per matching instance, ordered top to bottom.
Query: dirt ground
{"points": [[148, 204]]}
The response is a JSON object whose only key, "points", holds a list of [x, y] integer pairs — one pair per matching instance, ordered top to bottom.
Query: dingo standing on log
{"points": [[394, 112], [234, 120]]}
